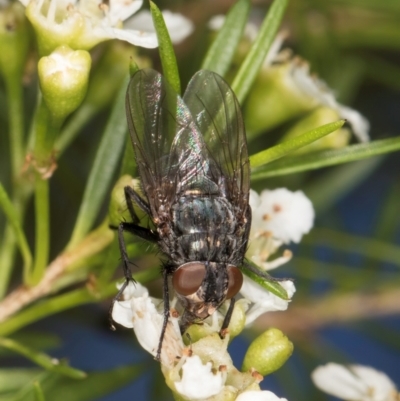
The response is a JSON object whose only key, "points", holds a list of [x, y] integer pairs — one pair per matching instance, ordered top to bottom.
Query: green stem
{"points": [[16, 118], [73, 126], [46, 130], [42, 237]]}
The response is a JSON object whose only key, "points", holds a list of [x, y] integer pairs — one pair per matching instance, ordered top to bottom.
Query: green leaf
{"points": [[166, 49], [222, 50], [251, 65], [282, 149], [325, 158], [106, 161], [13, 219], [271, 285], [35, 339], [42, 359], [12, 379], [39, 396]]}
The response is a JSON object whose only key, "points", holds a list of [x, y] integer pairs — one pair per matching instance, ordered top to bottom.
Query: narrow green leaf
{"points": [[166, 49], [222, 50], [251, 65], [282, 149], [325, 158], [106, 161], [13, 219], [271, 285], [42, 359], [12, 379], [95, 386], [39, 396]]}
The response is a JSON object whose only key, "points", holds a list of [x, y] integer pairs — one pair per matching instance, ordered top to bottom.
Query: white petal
{"points": [[120, 10], [178, 26], [137, 38], [322, 94], [359, 124], [254, 199], [287, 215], [263, 300], [122, 313], [198, 381], [339, 381], [355, 382], [382, 387], [259, 396]]}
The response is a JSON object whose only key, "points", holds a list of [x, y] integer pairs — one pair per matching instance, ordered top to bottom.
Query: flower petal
{"points": [[120, 10], [179, 27], [285, 214], [263, 300], [198, 381], [339, 381], [259, 396]]}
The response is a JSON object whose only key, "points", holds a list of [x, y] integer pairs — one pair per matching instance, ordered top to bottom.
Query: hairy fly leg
{"points": [[132, 196], [166, 312], [227, 319]]}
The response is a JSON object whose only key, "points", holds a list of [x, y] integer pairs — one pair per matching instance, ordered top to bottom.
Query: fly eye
{"points": [[235, 277], [188, 278]]}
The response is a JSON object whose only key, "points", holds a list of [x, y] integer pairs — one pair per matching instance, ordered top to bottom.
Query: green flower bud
{"points": [[14, 40], [63, 78], [318, 117], [118, 210], [268, 352]]}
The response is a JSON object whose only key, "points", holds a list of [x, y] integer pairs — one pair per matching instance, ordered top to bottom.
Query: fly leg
{"points": [[145, 233], [166, 313], [227, 319]]}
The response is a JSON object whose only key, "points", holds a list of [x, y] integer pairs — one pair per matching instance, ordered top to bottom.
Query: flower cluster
{"points": [[83, 24], [206, 359]]}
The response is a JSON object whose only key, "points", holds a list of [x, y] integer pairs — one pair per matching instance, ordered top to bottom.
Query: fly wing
{"points": [[216, 111], [169, 148]]}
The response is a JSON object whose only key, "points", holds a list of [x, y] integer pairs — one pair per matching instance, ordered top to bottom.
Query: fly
{"points": [[193, 163]]}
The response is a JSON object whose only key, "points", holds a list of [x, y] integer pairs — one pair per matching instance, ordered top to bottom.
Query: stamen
{"points": [[51, 14]]}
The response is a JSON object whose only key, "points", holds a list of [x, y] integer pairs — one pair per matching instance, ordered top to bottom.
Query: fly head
{"points": [[202, 287]]}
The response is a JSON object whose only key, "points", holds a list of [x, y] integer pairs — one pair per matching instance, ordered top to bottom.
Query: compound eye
{"points": [[235, 277], [188, 278]]}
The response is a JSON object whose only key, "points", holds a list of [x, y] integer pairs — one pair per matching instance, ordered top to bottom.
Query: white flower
{"points": [[83, 24], [178, 26], [299, 79], [283, 214], [263, 300], [139, 312], [198, 381], [354, 382], [259, 396]]}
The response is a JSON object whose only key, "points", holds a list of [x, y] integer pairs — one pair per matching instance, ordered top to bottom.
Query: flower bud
{"points": [[14, 40], [63, 80], [322, 115], [118, 210], [268, 352]]}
